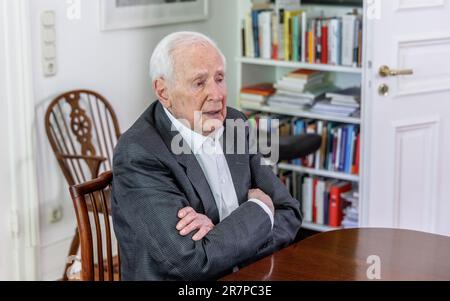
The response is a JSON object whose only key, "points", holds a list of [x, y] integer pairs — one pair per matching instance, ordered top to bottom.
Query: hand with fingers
{"points": [[191, 221]]}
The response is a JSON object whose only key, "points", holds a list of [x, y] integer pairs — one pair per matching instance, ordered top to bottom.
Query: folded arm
{"points": [[147, 197]]}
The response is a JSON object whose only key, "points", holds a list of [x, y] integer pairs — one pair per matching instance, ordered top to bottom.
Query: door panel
{"points": [[407, 165]]}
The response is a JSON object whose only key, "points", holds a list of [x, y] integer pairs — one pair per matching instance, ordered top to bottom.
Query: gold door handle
{"points": [[385, 71]]}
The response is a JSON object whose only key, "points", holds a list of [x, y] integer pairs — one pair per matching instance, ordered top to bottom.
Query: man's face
{"points": [[199, 86]]}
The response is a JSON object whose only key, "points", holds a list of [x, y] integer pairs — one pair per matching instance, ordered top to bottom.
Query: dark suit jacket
{"points": [[151, 185]]}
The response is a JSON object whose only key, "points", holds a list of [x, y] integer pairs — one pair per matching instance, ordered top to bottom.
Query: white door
{"points": [[406, 180]]}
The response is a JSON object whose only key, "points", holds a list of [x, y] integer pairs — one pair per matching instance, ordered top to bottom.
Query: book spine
{"points": [[255, 33], [281, 35], [275, 37], [295, 39], [348, 39], [318, 40], [311, 42], [304, 44], [324, 59], [320, 189], [314, 200], [335, 213]]}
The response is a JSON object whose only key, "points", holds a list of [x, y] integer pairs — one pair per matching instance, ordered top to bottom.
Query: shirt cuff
{"points": [[265, 208]]}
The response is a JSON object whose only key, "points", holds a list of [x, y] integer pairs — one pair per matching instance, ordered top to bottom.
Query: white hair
{"points": [[162, 60]]}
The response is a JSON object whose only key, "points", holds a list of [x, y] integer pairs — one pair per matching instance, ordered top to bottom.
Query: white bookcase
{"points": [[255, 70]]}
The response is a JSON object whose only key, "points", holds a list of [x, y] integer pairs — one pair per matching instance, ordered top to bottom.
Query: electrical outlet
{"points": [[48, 41], [56, 214]]}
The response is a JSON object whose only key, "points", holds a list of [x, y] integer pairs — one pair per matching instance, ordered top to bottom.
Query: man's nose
{"points": [[215, 92]]}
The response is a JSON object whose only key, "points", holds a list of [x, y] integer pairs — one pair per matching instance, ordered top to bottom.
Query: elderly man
{"points": [[197, 214]]}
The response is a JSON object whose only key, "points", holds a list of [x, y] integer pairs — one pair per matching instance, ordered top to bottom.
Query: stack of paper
{"points": [[351, 213]]}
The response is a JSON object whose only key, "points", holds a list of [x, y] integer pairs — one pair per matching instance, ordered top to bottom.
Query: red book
{"points": [[274, 51], [324, 54], [264, 89], [355, 167], [314, 201], [336, 205]]}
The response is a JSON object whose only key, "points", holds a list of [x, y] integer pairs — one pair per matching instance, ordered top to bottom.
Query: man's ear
{"points": [[160, 88]]}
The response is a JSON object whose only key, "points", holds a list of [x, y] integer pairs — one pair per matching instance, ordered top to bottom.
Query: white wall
{"points": [[116, 65], [6, 270]]}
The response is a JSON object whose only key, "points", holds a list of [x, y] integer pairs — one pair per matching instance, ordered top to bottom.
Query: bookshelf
{"points": [[298, 65], [257, 70], [301, 113], [319, 172]]}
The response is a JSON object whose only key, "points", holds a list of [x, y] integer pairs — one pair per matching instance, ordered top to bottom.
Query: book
{"points": [[265, 31], [289, 32], [348, 39], [334, 41], [324, 43], [305, 74], [264, 89], [352, 94], [253, 97], [307, 199], [336, 203]]}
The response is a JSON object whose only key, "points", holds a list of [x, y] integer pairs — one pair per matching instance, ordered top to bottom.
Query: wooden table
{"points": [[343, 254]]}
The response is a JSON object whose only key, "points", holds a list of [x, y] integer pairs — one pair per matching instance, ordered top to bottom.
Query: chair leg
{"points": [[72, 251]]}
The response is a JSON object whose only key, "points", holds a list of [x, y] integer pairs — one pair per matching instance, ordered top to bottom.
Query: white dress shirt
{"points": [[209, 154]]}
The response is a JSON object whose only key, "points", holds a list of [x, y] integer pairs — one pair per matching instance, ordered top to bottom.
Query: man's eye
{"points": [[220, 79], [200, 84]]}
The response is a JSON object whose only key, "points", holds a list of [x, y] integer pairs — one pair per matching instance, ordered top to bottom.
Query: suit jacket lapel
{"points": [[238, 163], [193, 170]]}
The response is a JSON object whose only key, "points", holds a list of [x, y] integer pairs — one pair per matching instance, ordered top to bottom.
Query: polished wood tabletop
{"points": [[343, 255]]}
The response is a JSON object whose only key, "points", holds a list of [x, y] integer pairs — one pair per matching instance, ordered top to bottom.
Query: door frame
{"points": [[367, 85], [19, 104]]}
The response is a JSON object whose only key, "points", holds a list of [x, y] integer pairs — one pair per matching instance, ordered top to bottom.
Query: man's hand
{"points": [[260, 195], [191, 221]]}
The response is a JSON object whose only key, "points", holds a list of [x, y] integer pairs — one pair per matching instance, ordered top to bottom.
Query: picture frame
{"points": [[125, 14]]}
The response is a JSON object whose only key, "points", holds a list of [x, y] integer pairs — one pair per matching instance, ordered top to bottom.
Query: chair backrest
{"points": [[82, 129], [90, 201]]}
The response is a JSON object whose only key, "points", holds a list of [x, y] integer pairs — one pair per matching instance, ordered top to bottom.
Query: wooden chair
{"points": [[82, 129], [90, 202]]}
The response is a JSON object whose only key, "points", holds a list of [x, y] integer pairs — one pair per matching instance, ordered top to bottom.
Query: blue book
{"points": [[256, 32], [298, 130], [329, 151], [348, 156]]}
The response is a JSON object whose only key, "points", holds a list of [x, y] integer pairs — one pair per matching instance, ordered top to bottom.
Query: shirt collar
{"points": [[194, 140]]}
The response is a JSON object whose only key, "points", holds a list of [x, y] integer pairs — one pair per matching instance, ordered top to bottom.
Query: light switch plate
{"points": [[48, 18], [49, 34], [48, 43], [49, 51]]}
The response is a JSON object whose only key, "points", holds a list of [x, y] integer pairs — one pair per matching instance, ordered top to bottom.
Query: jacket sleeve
{"points": [[147, 198], [287, 218]]}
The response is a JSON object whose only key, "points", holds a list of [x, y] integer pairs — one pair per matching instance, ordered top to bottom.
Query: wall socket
{"points": [[48, 41], [56, 214]]}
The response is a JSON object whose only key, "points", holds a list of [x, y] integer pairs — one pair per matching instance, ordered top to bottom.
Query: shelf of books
{"points": [[302, 65]]}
